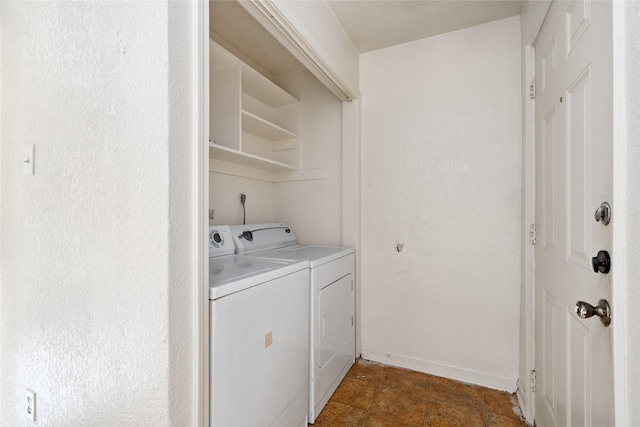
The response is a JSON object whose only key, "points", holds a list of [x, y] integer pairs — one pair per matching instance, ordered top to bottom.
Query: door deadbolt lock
{"points": [[603, 213], [601, 263], [585, 310]]}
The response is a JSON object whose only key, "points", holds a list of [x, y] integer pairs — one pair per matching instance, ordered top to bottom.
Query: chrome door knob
{"points": [[603, 213], [585, 310]]}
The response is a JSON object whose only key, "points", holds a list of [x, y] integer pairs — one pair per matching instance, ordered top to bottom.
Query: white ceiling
{"points": [[377, 24], [371, 25]]}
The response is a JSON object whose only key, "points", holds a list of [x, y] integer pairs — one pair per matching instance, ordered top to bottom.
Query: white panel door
{"points": [[573, 124]]}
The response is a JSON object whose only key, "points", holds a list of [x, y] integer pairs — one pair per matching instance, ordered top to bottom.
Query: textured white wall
{"points": [[441, 143], [224, 198], [314, 208], [95, 244], [628, 290]]}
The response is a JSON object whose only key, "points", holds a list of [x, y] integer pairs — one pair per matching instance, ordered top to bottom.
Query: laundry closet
{"points": [[275, 135], [282, 311]]}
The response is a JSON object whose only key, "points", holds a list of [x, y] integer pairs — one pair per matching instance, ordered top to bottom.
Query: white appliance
{"points": [[332, 303], [259, 342]]}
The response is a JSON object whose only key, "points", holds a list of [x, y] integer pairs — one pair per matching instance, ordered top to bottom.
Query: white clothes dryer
{"points": [[331, 307], [259, 337]]}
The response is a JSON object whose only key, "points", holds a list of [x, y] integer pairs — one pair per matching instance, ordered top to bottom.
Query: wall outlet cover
{"points": [[30, 404]]}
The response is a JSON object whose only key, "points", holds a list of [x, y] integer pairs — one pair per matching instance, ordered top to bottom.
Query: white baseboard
{"points": [[459, 373]]}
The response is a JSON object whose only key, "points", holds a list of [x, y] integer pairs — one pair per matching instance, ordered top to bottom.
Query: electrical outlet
{"points": [[30, 412]]}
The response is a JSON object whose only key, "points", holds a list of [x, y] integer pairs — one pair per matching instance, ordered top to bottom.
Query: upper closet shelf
{"points": [[260, 87], [253, 121], [258, 126], [220, 152]]}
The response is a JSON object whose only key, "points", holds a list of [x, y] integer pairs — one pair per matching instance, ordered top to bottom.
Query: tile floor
{"points": [[375, 395]]}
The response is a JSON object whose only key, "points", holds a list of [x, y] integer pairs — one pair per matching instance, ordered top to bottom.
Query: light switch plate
{"points": [[28, 159]]}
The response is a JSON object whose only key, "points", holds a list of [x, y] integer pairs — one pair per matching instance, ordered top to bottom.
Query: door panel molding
{"points": [[578, 21], [549, 168], [579, 170]]}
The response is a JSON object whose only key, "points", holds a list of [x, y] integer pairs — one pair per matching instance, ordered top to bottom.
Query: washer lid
{"points": [[233, 273]]}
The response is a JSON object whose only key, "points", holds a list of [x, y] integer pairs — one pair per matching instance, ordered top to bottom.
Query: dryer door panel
{"points": [[335, 318]]}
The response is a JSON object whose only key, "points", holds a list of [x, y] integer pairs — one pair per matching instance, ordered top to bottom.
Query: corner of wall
{"points": [[1, 180], [352, 195], [184, 281]]}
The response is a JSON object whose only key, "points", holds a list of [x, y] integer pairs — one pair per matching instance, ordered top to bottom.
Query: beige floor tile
{"points": [[368, 371], [404, 379], [447, 390], [355, 392], [376, 395], [499, 403], [399, 406], [336, 414], [448, 414], [381, 420], [498, 421]]}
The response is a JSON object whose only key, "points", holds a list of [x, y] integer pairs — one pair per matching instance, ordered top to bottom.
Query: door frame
{"points": [[535, 18], [532, 20], [200, 222], [618, 257], [525, 393]]}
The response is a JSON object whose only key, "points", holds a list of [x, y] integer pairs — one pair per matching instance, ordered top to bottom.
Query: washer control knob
{"points": [[216, 239]]}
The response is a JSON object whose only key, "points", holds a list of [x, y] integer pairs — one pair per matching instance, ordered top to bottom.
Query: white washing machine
{"points": [[331, 307], [259, 337]]}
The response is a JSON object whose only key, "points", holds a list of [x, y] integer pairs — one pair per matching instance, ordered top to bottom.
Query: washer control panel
{"points": [[252, 238], [220, 241]]}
